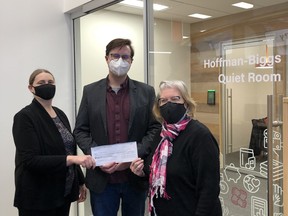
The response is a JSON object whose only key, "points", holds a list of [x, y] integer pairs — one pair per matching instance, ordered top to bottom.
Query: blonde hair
{"points": [[190, 104]]}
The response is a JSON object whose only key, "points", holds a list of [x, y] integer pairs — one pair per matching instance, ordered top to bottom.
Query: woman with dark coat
{"points": [[183, 167], [47, 172]]}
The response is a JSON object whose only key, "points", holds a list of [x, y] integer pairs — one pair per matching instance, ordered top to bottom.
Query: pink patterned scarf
{"points": [[157, 178]]}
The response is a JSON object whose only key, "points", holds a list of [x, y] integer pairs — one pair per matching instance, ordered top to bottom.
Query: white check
{"points": [[120, 152]]}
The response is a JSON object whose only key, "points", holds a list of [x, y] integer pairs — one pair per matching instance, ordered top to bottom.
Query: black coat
{"points": [[40, 172], [193, 174]]}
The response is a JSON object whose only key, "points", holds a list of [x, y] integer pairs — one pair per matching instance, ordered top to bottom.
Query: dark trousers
{"points": [[60, 211]]}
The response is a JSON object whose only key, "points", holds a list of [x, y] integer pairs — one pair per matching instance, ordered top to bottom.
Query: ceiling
{"points": [[180, 9]]}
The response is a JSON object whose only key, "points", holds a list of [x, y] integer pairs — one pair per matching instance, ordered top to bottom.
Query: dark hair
{"points": [[119, 42], [36, 72]]}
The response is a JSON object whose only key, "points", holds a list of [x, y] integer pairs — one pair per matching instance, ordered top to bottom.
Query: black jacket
{"points": [[91, 129], [40, 160], [193, 174]]}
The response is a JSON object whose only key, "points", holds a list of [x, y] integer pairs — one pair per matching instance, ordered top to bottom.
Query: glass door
{"points": [[252, 175]]}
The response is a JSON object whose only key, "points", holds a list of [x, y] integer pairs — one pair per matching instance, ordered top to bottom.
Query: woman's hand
{"points": [[86, 161], [137, 167], [82, 193]]}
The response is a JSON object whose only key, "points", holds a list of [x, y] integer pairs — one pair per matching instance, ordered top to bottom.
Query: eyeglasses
{"points": [[117, 56], [173, 99]]}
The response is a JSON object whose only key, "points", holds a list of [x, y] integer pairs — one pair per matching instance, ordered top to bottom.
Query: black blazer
{"points": [[91, 126], [40, 160]]}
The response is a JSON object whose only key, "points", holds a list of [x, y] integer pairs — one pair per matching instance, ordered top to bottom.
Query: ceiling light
{"points": [[132, 3], [136, 3], [243, 5], [159, 7], [199, 16]]}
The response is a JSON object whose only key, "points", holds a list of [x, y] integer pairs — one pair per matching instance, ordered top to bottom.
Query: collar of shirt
{"points": [[123, 86]]}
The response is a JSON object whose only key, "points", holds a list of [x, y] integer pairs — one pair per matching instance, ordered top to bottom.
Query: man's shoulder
{"points": [[96, 84], [139, 84]]}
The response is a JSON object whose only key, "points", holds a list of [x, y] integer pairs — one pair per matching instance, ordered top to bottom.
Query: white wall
{"points": [[70, 5], [34, 34]]}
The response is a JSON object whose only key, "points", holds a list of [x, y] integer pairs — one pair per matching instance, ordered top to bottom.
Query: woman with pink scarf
{"points": [[183, 166]]}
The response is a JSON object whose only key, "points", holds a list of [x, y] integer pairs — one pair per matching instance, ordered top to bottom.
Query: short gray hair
{"points": [[182, 88]]}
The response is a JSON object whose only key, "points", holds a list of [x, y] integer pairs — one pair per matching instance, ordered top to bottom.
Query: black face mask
{"points": [[46, 91], [172, 112]]}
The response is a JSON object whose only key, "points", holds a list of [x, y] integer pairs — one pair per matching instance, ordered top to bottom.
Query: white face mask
{"points": [[119, 67]]}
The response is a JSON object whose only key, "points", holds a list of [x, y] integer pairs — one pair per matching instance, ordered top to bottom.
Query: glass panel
{"points": [[92, 33], [170, 48], [226, 54], [244, 92], [244, 97]]}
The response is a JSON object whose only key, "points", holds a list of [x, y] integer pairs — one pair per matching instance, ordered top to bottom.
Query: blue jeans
{"points": [[107, 203]]}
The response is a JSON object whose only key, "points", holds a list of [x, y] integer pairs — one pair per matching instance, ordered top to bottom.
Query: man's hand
{"points": [[123, 166], [137, 167], [109, 168]]}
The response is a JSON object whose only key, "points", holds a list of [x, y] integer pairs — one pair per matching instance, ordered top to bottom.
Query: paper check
{"points": [[120, 152]]}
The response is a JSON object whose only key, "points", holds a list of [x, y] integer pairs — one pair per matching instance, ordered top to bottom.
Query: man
{"points": [[116, 109]]}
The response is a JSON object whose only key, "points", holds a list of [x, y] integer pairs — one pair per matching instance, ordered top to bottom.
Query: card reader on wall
{"points": [[211, 97]]}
